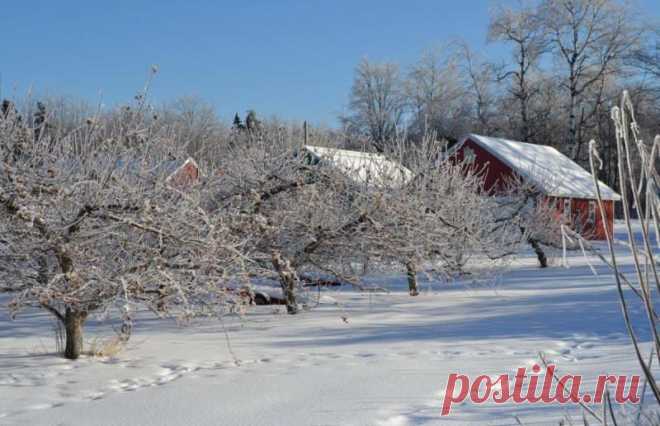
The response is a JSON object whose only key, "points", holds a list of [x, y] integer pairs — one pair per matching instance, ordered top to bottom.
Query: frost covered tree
{"points": [[521, 29], [589, 38], [434, 92], [481, 93], [376, 103], [192, 121], [324, 210], [293, 214], [441, 217], [92, 224]]}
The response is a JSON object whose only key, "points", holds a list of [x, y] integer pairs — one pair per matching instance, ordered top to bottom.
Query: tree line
{"points": [[568, 61]]}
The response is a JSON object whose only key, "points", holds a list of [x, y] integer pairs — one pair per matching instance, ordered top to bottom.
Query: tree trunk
{"points": [[540, 254], [411, 272], [287, 281], [162, 293], [73, 325]]}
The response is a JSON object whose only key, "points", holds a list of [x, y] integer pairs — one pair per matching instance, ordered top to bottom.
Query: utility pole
{"points": [[305, 132]]}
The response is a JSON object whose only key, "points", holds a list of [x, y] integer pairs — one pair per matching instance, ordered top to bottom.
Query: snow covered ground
{"points": [[357, 359]]}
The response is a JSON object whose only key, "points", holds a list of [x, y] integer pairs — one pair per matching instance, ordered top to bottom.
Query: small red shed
{"points": [[177, 173], [182, 173], [562, 182]]}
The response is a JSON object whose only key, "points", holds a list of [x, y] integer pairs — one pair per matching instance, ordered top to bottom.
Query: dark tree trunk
{"points": [[540, 254], [411, 272], [287, 281], [162, 293], [73, 325]]}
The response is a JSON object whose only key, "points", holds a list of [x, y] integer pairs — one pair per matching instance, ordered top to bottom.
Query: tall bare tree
{"points": [[520, 28], [589, 39], [647, 58], [435, 92], [481, 96], [376, 103], [193, 122]]}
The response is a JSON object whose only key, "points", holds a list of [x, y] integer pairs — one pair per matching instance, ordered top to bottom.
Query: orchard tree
{"points": [[322, 209], [293, 214], [440, 216], [101, 229]]}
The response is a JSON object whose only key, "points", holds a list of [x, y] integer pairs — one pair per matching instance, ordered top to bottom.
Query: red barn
{"points": [[561, 181]]}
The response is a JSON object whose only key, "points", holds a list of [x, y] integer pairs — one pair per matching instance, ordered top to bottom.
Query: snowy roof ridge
{"points": [[363, 166], [543, 166]]}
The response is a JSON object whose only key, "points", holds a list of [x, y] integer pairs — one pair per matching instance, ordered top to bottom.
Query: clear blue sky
{"points": [[292, 58]]}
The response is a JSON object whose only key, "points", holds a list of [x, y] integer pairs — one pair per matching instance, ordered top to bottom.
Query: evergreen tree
{"points": [[238, 124]]}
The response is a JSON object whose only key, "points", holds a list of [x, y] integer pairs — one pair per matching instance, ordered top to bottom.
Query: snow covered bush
{"points": [[89, 223]]}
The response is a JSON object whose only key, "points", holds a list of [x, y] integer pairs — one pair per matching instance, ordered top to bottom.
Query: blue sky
{"points": [[292, 58]]}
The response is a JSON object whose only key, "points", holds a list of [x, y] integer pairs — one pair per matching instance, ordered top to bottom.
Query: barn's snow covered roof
{"points": [[362, 166], [544, 167]]}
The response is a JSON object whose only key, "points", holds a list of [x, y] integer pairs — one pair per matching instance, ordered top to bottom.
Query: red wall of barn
{"points": [[496, 175], [185, 176], [580, 217]]}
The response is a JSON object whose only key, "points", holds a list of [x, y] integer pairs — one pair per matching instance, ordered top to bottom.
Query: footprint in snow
{"points": [[586, 345], [44, 406]]}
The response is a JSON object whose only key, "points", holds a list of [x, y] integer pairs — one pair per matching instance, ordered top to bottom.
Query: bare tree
{"points": [[520, 28], [590, 39], [647, 58], [435, 93], [481, 93], [376, 103], [192, 122], [293, 214], [441, 217], [91, 223]]}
